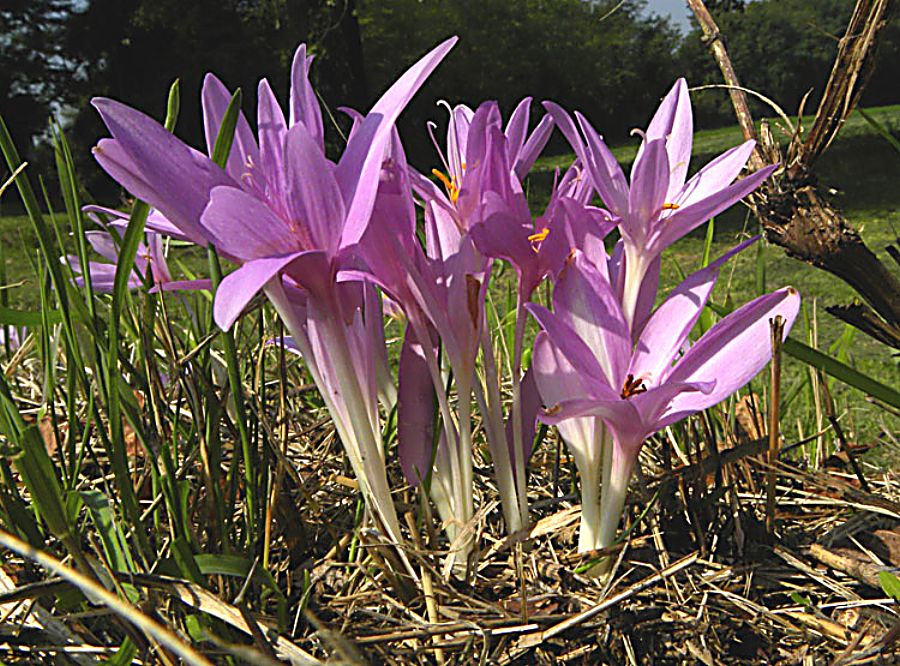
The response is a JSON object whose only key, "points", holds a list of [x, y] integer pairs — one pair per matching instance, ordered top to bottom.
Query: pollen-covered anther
{"points": [[449, 183], [670, 206], [537, 238], [632, 386]]}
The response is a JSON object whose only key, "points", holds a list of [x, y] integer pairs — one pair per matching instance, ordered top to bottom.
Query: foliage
{"points": [[783, 49]]}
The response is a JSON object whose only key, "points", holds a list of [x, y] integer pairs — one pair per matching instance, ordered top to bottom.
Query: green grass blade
{"points": [[880, 129], [225, 137], [68, 181], [843, 372], [36, 470], [115, 546]]}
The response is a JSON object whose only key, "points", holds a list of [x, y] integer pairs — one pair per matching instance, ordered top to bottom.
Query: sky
{"points": [[677, 10]]}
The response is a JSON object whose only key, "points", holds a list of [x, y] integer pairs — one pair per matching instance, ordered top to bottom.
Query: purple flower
{"points": [[480, 158], [280, 204], [659, 206], [289, 217], [539, 248], [150, 257], [440, 290], [13, 335], [586, 366]]}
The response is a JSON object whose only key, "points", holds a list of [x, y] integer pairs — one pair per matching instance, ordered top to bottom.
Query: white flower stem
{"points": [[635, 270], [516, 413], [354, 427], [458, 440], [602, 502]]}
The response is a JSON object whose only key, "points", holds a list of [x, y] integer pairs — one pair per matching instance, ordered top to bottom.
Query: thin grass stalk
{"points": [[65, 168], [237, 392], [774, 421]]}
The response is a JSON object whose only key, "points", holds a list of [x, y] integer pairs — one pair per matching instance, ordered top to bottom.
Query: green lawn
{"points": [[709, 143], [862, 170]]}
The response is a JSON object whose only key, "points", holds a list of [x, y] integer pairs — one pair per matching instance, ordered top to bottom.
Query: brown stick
{"points": [[714, 41], [852, 68], [864, 572]]}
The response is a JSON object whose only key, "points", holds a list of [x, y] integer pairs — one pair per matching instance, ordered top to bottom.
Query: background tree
{"points": [[784, 49], [604, 58], [35, 72]]}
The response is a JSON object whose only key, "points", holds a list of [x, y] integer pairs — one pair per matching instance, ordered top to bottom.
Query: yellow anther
{"points": [[463, 165], [449, 183], [670, 206], [539, 236]]}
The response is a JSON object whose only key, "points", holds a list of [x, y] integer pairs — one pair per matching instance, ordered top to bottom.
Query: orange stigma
{"points": [[449, 184]]}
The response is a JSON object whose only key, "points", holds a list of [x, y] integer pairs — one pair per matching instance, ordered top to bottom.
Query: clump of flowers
{"points": [[333, 245]]}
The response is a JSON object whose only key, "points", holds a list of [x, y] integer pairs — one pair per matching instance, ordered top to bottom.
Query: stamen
{"points": [[431, 126], [449, 184], [670, 206], [538, 238], [632, 387]]}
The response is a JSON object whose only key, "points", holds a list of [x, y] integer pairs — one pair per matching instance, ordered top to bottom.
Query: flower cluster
{"points": [[334, 245]]}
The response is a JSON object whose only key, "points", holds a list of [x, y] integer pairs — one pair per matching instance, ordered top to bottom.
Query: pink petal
{"points": [[214, 100], [304, 104], [674, 123], [517, 127], [272, 130], [527, 156], [156, 167], [357, 171], [607, 174], [716, 175], [649, 185], [314, 198], [686, 219], [242, 226], [239, 288], [584, 299], [668, 328], [732, 352], [530, 401], [416, 403]]}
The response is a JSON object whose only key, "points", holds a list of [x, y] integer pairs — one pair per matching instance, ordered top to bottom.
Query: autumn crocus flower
{"points": [[476, 142], [659, 205], [286, 214], [150, 259], [149, 262], [586, 366]]}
